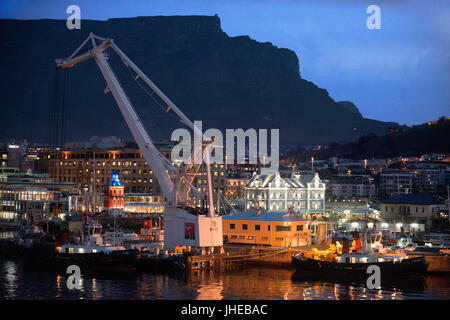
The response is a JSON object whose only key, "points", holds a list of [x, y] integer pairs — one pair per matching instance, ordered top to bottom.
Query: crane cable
{"points": [[149, 93]]}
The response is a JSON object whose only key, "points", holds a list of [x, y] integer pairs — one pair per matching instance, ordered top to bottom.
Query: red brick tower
{"points": [[113, 196]]}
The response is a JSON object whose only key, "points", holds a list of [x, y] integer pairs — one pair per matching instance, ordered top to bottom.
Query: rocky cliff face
{"points": [[228, 82]]}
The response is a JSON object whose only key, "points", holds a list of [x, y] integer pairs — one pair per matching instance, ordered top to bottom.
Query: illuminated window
{"points": [[283, 228]]}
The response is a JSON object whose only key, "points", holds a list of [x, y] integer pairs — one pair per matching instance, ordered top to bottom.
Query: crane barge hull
{"points": [[413, 265]]}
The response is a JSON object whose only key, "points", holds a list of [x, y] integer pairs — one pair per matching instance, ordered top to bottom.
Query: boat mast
{"points": [[366, 217], [364, 247]]}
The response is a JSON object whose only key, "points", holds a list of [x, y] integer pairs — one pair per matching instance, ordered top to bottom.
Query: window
{"points": [[232, 226], [244, 227], [257, 227], [268, 228], [283, 228], [300, 228], [233, 236], [241, 237], [251, 237], [264, 238], [279, 239]]}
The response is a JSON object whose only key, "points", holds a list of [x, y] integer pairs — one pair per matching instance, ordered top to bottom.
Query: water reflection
{"points": [[8, 234], [10, 278], [21, 282]]}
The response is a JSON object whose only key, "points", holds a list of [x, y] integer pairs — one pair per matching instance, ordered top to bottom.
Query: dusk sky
{"points": [[399, 73]]}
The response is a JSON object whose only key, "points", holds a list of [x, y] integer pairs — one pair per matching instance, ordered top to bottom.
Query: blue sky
{"points": [[399, 73]]}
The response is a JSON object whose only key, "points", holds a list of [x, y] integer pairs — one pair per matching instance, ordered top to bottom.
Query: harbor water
{"points": [[20, 281]]}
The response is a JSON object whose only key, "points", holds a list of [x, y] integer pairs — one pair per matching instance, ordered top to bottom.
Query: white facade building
{"points": [[303, 193]]}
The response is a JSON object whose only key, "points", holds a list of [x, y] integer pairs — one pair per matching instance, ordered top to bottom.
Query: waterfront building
{"points": [[15, 152], [3, 155], [81, 166], [5, 172], [429, 179], [395, 183], [235, 187], [349, 187], [304, 193], [22, 196], [143, 203], [351, 210], [412, 212], [273, 229]]}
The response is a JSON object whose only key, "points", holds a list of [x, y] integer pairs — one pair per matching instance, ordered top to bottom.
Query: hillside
{"points": [[228, 82], [406, 141]]}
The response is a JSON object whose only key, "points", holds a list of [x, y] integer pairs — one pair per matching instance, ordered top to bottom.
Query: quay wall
{"points": [[268, 256], [438, 263]]}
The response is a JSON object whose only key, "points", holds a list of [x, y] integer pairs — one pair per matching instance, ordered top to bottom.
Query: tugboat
{"points": [[38, 249], [93, 255], [355, 264]]}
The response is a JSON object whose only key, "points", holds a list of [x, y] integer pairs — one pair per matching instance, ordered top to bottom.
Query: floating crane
{"points": [[182, 226]]}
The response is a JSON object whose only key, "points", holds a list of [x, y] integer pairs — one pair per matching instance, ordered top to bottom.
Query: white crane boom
{"points": [[138, 131], [155, 159], [180, 226]]}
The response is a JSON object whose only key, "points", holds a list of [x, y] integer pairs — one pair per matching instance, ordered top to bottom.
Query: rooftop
{"points": [[414, 198], [264, 216]]}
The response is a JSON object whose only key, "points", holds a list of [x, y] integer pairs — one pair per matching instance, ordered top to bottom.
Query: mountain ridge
{"points": [[228, 82]]}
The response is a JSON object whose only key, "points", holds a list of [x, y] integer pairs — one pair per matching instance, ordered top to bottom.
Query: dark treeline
{"points": [[430, 137]]}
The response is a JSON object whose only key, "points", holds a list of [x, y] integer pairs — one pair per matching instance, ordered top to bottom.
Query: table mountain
{"points": [[228, 82]]}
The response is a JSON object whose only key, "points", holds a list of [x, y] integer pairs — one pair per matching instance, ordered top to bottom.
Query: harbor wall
{"points": [[438, 263]]}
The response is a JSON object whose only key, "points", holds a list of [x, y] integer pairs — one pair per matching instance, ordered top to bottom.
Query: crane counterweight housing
{"points": [[181, 227]]}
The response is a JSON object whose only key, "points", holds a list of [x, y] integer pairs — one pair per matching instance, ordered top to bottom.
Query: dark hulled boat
{"points": [[39, 249], [357, 264]]}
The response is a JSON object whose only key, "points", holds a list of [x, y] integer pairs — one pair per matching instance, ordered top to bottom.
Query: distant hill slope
{"points": [[228, 82], [350, 106], [406, 141]]}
